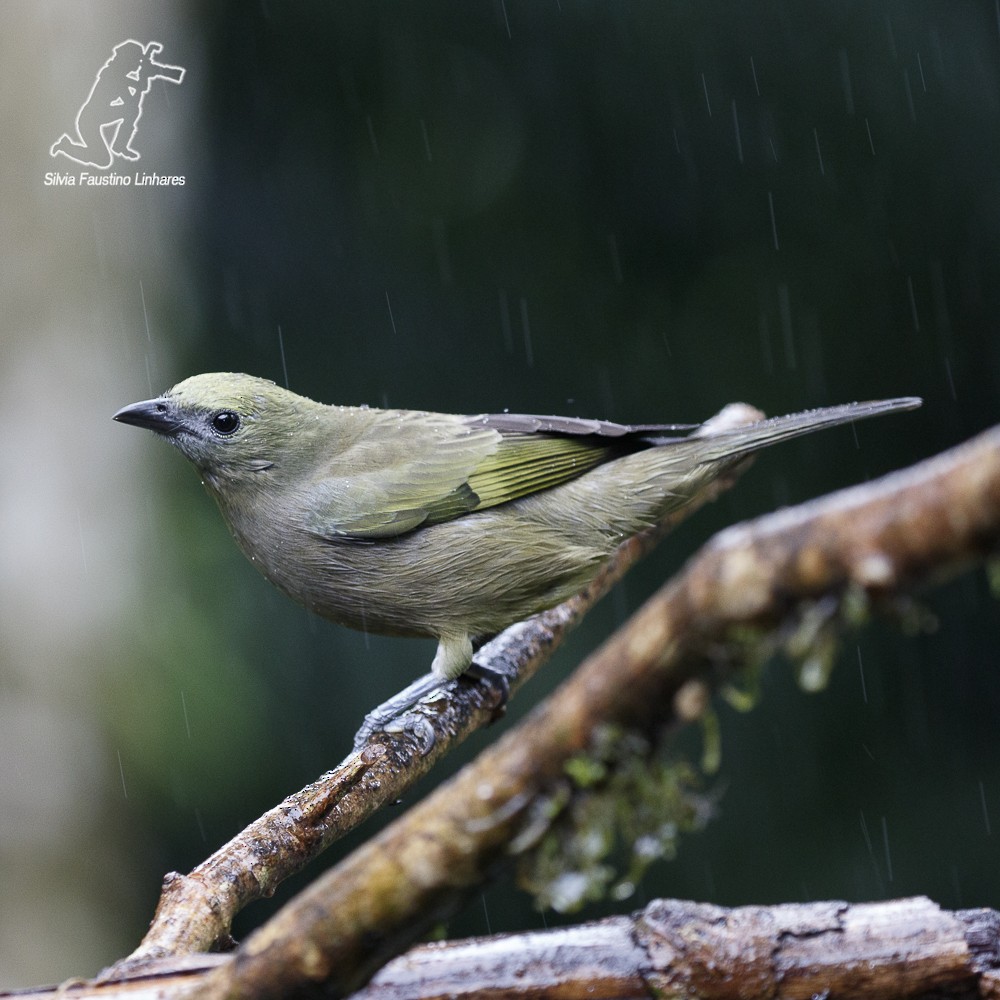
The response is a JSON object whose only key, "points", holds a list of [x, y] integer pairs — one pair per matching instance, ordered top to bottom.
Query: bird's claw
{"points": [[381, 718], [394, 718], [410, 724]]}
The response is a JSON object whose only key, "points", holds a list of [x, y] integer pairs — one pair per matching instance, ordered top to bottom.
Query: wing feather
{"points": [[412, 468]]}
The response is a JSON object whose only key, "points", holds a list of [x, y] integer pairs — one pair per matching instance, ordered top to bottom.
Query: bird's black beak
{"points": [[158, 415]]}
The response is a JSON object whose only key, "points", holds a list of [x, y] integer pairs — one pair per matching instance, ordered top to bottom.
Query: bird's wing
{"points": [[531, 423], [410, 469]]}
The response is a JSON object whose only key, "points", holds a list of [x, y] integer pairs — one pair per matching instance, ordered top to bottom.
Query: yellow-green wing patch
{"points": [[527, 463]]}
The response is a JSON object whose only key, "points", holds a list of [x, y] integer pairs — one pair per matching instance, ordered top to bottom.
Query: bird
{"points": [[415, 523]]}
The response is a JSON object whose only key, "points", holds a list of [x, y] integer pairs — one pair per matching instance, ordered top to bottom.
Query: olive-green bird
{"points": [[429, 524]]}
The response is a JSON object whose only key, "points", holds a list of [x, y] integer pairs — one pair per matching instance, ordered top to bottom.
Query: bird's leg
{"points": [[451, 653], [453, 656]]}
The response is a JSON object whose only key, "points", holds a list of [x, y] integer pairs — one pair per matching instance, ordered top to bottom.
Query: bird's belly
{"points": [[473, 575]]}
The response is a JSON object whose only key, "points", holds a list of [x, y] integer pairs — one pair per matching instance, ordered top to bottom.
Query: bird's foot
{"points": [[389, 716], [382, 717]]}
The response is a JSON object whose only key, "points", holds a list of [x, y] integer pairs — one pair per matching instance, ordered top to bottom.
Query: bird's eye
{"points": [[225, 422]]}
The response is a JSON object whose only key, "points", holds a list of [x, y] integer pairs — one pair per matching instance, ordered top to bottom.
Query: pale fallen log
{"points": [[868, 951]]}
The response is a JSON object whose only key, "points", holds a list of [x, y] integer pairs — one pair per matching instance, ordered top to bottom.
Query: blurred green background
{"points": [[632, 211]]}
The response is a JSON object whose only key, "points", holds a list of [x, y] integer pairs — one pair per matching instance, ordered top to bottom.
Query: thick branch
{"points": [[877, 540], [900, 948]]}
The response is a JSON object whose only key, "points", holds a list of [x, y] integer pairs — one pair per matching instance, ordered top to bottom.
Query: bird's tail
{"points": [[729, 435]]}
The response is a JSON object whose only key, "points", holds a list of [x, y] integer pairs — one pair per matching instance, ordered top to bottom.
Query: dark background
{"points": [[630, 211]]}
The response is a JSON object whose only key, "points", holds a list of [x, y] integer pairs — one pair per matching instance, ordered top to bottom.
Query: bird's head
{"points": [[232, 427]]}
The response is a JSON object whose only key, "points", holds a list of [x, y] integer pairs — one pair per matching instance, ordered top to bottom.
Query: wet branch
{"points": [[864, 546], [195, 911], [900, 948]]}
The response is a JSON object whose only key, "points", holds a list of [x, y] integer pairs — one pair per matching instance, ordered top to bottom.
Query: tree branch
{"points": [[867, 544], [195, 911], [900, 948]]}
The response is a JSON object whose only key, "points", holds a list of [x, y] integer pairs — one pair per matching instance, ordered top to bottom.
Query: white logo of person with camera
{"points": [[108, 122]]}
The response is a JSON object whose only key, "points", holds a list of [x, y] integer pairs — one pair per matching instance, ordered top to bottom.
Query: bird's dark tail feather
{"points": [[733, 442]]}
